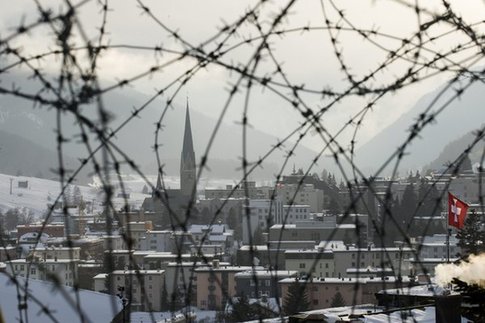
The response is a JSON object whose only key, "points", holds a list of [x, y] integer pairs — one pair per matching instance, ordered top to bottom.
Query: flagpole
{"points": [[448, 231]]}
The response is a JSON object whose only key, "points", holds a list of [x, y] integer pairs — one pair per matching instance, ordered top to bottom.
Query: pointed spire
{"points": [[188, 146], [187, 160], [159, 182]]}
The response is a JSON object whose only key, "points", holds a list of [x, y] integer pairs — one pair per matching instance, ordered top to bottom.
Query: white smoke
{"points": [[471, 272]]}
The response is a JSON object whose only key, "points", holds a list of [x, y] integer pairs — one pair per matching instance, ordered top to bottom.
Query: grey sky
{"points": [[307, 58]]}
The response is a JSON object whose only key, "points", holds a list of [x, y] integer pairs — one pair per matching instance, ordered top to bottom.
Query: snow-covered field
{"points": [[40, 192], [35, 197]]}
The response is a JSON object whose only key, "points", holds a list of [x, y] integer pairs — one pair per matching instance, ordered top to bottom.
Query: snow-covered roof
{"points": [[202, 228], [266, 273], [347, 280], [420, 290], [97, 307]]}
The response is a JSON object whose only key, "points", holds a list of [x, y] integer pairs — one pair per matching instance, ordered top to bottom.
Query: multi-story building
{"points": [[246, 189], [305, 194], [295, 213], [261, 214], [53, 229], [137, 231], [312, 231], [215, 235], [161, 241], [436, 246], [432, 251], [49, 253], [396, 260], [312, 262], [62, 270], [261, 283], [216, 284], [144, 286], [321, 291]]}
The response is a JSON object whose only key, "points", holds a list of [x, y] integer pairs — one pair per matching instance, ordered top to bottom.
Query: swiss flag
{"points": [[456, 211]]}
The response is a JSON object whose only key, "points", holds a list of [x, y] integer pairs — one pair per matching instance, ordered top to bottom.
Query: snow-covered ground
{"points": [[41, 192], [36, 196], [96, 307], [199, 316]]}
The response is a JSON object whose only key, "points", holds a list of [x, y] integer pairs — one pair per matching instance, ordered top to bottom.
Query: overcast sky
{"points": [[306, 57]]}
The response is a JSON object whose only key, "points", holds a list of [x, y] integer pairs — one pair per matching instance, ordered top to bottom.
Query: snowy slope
{"points": [[41, 192], [36, 196], [96, 307]]}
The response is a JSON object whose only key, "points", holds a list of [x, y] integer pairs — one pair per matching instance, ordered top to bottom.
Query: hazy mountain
{"points": [[460, 117], [136, 139], [453, 149], [20, 156]]}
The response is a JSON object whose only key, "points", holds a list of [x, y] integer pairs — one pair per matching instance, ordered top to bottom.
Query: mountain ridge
{"points": [[460, 117]]}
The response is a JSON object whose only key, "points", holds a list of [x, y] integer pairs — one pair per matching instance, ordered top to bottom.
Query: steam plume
{"points": [[471, 272]]}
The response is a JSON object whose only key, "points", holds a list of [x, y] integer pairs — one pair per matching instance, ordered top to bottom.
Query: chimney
{"points": [[448, 309]]}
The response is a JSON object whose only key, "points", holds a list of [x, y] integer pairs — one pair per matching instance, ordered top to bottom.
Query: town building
{"points": [[302, 194], [173, 207], [261, 214], [312, 262], [63, 271], [261, 283], [216, 285], [143, 286], [353, 291]]}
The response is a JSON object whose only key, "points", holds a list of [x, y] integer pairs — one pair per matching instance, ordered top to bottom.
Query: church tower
{"points": [[187, 160]]}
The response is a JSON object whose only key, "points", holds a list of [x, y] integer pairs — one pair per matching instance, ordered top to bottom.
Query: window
{"points": [[302, 265], [326, 265], [32, 271], [315, 302]]}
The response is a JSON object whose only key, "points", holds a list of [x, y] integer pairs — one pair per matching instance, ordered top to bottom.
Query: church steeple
{"points": [[187, 160], [158, 187]]}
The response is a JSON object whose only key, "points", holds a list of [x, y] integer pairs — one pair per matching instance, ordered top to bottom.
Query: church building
{"points": [[171, 208]]}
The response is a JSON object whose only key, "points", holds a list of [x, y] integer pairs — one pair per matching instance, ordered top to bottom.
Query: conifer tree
{"points": [[77, 196], [333, 207], [471, 239], [296, 300], [337, 300], [165, 305], [241, 310]]}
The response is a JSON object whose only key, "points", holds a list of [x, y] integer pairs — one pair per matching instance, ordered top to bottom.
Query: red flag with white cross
{"points": [[456, 211]]}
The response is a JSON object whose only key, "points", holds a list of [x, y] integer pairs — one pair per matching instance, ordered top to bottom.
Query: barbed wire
{"points": [[67, 74]]}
